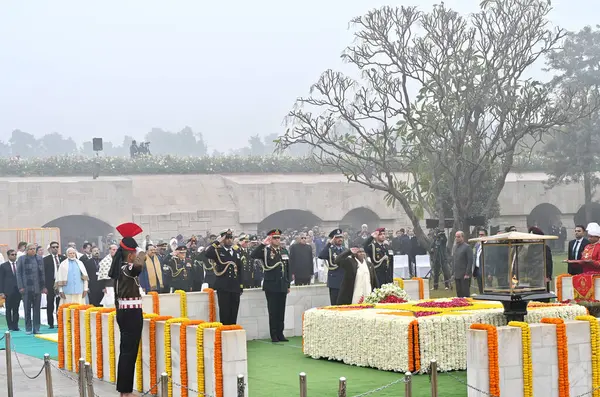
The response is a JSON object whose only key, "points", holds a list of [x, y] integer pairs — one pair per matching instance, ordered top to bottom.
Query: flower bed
{"points": [[379, 336]]}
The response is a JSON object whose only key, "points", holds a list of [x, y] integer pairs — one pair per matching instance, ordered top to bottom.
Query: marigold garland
{"points": [[399, 281], [559, 286], [421, 287], [155, 302], [182, 302], [212, 305], [87, 316], [77, 331], [61, 334], [69, 337], [167, 341], [99, 342], [595, 345], [414, 349], [200, 353], [563, 355], [219, 357], [527, 363], [139, 367], [494, 367], [183, 368], [153, 369], [112, 371]]}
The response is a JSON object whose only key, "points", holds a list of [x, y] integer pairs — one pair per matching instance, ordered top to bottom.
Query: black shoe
{"points": [[51, 327], [16, 329], [283, 339], [274, 340]]}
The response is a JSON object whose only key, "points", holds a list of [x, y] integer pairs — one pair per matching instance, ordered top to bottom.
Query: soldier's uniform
{"points": [[382, 257], [247, 263], [257, 265], [209, 268], [228, 271], [179, 272], [335, 274], [276, 283]]}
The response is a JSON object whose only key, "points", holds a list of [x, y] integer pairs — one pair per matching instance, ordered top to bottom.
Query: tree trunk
{"points": [[587, 189]]}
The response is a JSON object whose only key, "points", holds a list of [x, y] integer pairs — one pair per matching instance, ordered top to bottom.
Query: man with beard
{"points": [[378, 252], [247, 262], [92, 267], [209, 267], [178, 271], [197, 271], [228, 271], [335, 274], [151, 278]]}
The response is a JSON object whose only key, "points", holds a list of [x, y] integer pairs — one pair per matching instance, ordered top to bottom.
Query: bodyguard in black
{"points": [[381, 257], [228, 271], [335, 274], [276, 283]]}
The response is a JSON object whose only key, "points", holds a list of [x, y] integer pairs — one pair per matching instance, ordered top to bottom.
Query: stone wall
{"points": [[544, 360]]}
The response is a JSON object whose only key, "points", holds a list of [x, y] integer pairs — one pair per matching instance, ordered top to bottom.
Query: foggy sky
{"points": [[228, 68]]}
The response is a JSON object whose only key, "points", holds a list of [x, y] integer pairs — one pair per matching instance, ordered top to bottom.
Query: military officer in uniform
{"points": [[381, 256], [227, 260], [247, 262], [257, 264], [209, 267], [179, 270], [197, 271], [335, 274], [276, 283]]}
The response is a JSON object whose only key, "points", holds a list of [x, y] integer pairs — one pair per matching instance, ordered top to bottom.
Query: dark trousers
{"points": [[383, 275], [477, 275], [302, 280], [463, 287], [333, 295], [96, 296], [51, 300], [32, 301], [229, 304], [276, 308], [12, 310], [130, 323]]}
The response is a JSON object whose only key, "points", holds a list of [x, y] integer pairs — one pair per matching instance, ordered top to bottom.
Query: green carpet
{"points": [[29, 344]]}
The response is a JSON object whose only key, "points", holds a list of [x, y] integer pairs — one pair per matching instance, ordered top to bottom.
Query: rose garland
{"points": [[399, 281], [559, 286], [421, 287], [155, 302], [182, 302], [212, 306], [87, 316], [152, 330], [61, 334], [99, 342], [595, 345], [167, 346], [414, 350], [200, 352], [563, 355], [219, 357], [527, 363], [494, 368], [183, 369], [112, 372]]}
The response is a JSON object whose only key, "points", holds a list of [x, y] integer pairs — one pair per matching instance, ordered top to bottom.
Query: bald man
{"points": [[463, 265]]}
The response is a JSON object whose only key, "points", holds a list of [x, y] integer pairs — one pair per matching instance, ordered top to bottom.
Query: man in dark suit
{"points": [[576, 248], [51, 263], [10, 291]]}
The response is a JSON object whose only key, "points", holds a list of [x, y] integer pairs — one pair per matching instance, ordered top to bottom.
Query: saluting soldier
{"points": [[380, 255], [227, 260], [247, 262], [257, 264], [209, 267], [179, 270], [197, 270], [335, 274], [276, 283]]}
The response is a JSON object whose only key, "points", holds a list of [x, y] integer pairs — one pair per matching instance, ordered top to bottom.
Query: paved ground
{"points": [[62, 385]]}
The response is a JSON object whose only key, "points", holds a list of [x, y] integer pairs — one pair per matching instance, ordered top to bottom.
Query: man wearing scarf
{"points": [[126, 266], [153, 270]]}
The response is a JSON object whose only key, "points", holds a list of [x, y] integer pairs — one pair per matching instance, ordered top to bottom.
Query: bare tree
{"points": [[472, 108]]}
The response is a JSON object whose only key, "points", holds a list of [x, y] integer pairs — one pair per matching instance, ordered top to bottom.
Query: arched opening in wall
{"points": [[545, 216], [358, 217], [580, 218], [289, 219], [80, 228]]}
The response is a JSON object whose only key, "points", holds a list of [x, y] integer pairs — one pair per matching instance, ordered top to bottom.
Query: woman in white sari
{"points": [[359, 276], [72, 279]]}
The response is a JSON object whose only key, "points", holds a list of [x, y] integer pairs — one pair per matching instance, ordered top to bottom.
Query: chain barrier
{"points": [[2, 338], [23, 369], [464, 382], [199, 393], [368, 393], [588, 393]]}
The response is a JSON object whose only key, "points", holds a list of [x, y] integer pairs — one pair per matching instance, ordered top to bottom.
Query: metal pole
{"points": [[8, 351], [48, 371], [81, 378], [89, 379], [434, 381], [302, 384], [408, 384], [164, 385], [241, 386], [342, 388]]}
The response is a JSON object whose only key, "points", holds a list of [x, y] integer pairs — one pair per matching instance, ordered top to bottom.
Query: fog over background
{"points": [[228, 69]]}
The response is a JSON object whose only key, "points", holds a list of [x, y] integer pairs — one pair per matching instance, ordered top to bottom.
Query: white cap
{"points": [[593, 229]]}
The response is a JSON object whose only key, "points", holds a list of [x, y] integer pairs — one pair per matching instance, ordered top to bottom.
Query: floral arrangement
{"points": [[399, 282], [421, 287], [388, 293], [155, 302], [182, 302], [445, 303], [212, 305], [592, 305], [88, 331], [61, 334], [99, 343], [595, 344], [69, 347], [200, 352], [414, 354], [563, 355], [219, 357], [168, 358], [112, 361], [527, 361], [139, 365], [494, 366], [183, 367], [153, 368]]}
